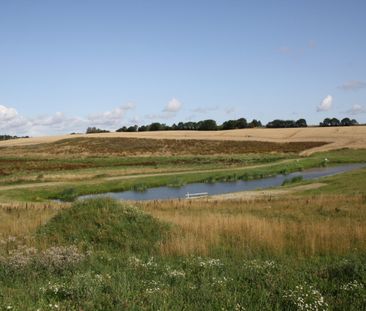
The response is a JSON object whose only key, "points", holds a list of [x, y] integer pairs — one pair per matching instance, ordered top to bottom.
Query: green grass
{"points": [[353, 182], [100, 185], [116, 266]]}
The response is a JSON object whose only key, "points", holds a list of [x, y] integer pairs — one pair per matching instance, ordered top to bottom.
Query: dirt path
{"points": [[56, 183], [248, 195]]}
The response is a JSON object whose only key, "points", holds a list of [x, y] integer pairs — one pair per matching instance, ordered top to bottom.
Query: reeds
{"points": [[19, 219], [325, 225]]}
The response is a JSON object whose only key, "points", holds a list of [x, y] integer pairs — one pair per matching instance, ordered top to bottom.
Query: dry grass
{"points": [[338, 137], [123, 146], [21, 219], [298, 226]]}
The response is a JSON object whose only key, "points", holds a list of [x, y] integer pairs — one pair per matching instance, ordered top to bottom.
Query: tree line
{"points": [[211, 125], [8, 137]]}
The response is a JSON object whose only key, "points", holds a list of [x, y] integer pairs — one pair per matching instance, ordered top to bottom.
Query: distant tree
{"points": [[326, 122], [335, 122], [346, 122], [354, 122], [241, 123], [255, 123], [301, 123], [234, 124], [281, 124], [207, 125], [229, 125], [156, 126], [186, 126], [133, 128], [143, 128], [122, 129], [94, 130], [8, 137]]}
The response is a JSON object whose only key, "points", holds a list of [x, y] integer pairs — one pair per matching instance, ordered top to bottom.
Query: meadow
{"points": [[305, 250]]}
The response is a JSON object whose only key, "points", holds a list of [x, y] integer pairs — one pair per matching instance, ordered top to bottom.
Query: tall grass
{"points": [[20, 219], [326, 225], [104, 255]]}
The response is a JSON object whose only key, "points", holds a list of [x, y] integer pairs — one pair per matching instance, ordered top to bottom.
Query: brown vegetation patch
{"points": [[141, 146], [334, 224]]}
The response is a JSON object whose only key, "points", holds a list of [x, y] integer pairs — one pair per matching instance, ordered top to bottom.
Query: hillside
{"points": [[337, 137]]}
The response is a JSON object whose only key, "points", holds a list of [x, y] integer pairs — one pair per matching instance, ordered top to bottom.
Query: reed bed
{"points": [[21, 219], [324, 225]]}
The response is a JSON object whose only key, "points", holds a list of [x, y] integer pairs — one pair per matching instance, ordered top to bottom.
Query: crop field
{"points": [[300, 246]]}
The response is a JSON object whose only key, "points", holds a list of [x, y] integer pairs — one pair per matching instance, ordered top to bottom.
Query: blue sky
{"points": [[66, 65]]}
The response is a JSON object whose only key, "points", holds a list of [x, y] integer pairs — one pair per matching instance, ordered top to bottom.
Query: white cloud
{"points": [[352, 85], [326, 104], [174, 105], [356, 109], [7, 114], [110, 118], [11, 122]]}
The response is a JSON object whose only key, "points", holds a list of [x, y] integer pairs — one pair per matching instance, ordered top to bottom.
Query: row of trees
{"points": [[336, 122], [287, 123], [204, 125], [211, 125], [94, 130], [8, 137]]}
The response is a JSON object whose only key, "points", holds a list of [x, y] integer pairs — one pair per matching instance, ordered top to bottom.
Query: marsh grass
{"points": [[20, 219], [326, 225], [104, 255]]}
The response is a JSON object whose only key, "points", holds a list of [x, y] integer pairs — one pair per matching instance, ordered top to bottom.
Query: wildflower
{"points": [[352, 286], [306, 298]]}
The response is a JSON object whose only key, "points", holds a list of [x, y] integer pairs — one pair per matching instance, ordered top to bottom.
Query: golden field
{"points": [[337, 137]]}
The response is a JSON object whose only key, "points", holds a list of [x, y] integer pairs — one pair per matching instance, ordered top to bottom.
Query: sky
{"points": [[66, 65]]}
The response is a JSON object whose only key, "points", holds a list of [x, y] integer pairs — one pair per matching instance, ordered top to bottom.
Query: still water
{"points": [[161, 193]]}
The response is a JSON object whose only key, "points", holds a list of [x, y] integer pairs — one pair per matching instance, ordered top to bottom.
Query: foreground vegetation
{"points": [[305, 251], [103, 255]]}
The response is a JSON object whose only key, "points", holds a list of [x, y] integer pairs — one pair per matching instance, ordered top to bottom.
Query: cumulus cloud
{"points": [[352, 85], [326, 104], [174, 105], [356, 109], [7, 114], [110, 118], [11, 122]]}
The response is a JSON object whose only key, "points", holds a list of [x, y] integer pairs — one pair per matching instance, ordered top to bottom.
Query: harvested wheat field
{"points": [[336, 137], [127, 146]]}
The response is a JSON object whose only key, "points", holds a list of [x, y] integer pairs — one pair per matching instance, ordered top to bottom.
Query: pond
{"points": [[165, 192]]}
